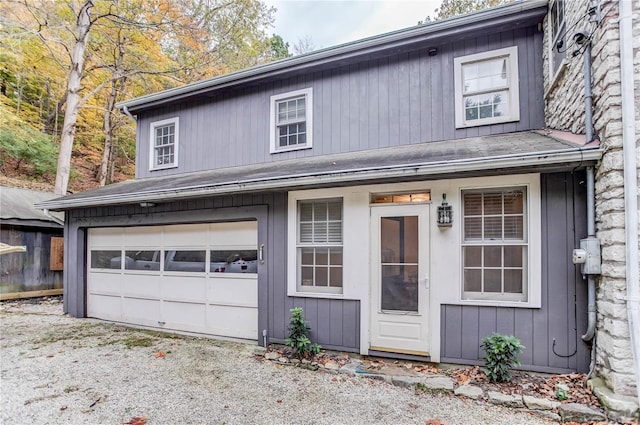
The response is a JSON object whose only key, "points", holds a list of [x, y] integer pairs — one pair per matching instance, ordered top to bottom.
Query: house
{"points": [[405, 190], [37, 267]]}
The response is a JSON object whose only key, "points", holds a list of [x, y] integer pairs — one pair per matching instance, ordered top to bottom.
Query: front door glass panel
{"points": [[399, 263]]}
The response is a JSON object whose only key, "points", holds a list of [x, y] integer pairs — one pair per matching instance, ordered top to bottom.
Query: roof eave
{"points": [[438, 29], [563, 158]]}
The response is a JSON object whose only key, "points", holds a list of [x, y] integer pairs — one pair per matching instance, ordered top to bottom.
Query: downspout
{"points": [[630, 182], [52, 217]]}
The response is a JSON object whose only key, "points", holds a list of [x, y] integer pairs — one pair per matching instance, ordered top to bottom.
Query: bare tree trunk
{"points": [[73, 98], [108, 133]]}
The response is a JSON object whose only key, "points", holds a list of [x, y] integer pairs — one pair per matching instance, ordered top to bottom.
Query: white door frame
{"points": [[404, 332]]}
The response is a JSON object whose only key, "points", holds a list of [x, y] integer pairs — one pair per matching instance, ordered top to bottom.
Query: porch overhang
{"points": [[512, 153]]}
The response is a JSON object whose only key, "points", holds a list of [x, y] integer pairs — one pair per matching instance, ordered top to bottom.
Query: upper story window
{"points": [[557, 42], [486, 88], [291, 121], [163, 152], [495, 245], [319, 246]]}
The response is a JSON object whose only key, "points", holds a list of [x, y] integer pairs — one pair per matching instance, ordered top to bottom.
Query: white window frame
{"points": [[560, 32], [512, 87], [273, 127], [152, 148], [532, 230], [301, 245]]}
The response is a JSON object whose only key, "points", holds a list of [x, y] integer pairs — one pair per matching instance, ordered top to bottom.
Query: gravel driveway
{"points": [[61, 370]]}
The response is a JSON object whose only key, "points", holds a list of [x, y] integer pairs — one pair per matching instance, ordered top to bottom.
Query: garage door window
{"points": [[103, 259], [142, 260], [184, 261], [234, 261]]}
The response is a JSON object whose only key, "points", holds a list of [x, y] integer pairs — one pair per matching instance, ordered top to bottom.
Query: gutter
{"points": [[419, 33], [629, 149], [334, 177], [51, 217]]}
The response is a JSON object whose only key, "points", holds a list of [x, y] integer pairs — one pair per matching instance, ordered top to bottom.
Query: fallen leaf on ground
{"points": [[160, 355], [63, 408], [137, 420], [433, 422]]}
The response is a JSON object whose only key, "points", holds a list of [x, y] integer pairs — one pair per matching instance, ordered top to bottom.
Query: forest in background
{"points": [[135, 47], [64, 64]]}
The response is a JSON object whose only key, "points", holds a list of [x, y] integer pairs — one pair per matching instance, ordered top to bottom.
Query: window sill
{"points": [[555, 79], [486, 121], [293, 148], [163, 168], [325, 295], [496, 303]]}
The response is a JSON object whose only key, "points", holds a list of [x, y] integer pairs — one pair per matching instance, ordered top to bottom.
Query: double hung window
{"points": [[557, 37], [486, 88], [291, 121], [164, 144], [495, 244], [319, 246]]}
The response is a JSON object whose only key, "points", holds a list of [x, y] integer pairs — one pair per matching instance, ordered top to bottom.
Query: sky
{"points": [[332, 22]]}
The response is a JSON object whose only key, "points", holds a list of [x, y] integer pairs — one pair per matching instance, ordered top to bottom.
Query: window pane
{"points": [[514, 202], [493, 203], [472, 204], [334, 210], [306, 211], [319, 211], [472, 228], [493, 228], [513, 228], [306, 232], [320, 232], [334, 232], [306, 256], [322, 256], [335, 256], [472, 256], [493, 256], [513, 256], [106, 259], [142, 260], [184, 261], [234, 261], [307, 276], [322, 276], [335, 277], [472, 280], [493, 281], [513, 281], [399, 288]]}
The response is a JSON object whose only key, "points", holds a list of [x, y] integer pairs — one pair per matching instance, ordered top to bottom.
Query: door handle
{"points": [[261, 254], [426, 281]]}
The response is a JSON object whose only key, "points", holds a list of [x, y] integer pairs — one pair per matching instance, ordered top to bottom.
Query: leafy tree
{"points": [[451, 8], [279, 48], [103, 51]]}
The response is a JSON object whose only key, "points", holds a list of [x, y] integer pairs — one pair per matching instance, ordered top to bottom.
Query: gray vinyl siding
{"points": [[406, 98], [563, 315], [335, 323]]}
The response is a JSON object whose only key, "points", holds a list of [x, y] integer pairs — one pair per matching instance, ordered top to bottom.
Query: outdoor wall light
{"points": [[147, 204], [445, 213]]}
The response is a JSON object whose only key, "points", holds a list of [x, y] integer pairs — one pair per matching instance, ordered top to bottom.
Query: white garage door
{"points": [[193, 277]]}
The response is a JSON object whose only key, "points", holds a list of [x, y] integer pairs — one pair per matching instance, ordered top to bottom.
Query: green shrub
{"points": [[33, 151], [298, 339], [501, 353]]}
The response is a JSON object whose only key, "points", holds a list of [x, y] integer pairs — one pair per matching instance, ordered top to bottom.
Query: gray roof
{"points": [[517, 13], [528, 151], [17, 207]]}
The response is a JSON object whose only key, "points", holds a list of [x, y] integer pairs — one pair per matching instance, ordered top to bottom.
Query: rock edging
{"points": [[550, 409]]}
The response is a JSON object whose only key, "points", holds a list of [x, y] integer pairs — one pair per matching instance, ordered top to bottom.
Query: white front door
{"points": [[400, 279]]}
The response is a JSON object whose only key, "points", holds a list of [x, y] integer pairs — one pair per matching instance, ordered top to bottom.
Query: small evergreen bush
{"points": [[298, 339], [501, 354]]}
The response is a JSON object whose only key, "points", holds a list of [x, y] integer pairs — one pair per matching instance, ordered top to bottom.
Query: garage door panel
{"points": [[242, 233], [186, 235], [106, 237], [143, 237], [106, 283], [140, 285], [183, 288], [235, 291], [104, 307], [141, 311], [187, 316], [235, 322]]}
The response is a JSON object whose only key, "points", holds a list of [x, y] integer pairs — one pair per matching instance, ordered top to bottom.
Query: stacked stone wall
{"points": [[564, 110]]}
